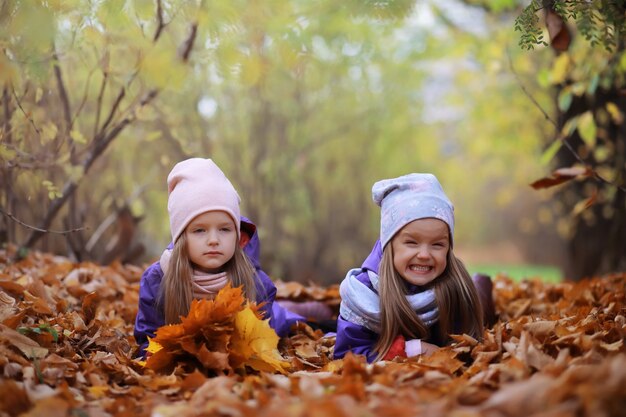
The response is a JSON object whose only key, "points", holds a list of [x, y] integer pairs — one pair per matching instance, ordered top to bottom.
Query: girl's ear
{"points": [[244, 239]]}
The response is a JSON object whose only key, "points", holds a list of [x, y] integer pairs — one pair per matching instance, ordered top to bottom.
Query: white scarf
{"points": [[203, 285], [361, 305]]}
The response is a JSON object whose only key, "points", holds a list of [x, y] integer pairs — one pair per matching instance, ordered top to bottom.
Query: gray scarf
{"points": [[361, 305]]}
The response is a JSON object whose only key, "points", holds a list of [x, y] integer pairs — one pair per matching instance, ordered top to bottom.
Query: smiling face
{"points": [[211, 240], [420, 250]]}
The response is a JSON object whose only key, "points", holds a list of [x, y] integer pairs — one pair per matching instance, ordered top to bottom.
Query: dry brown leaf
{"points": [[541, 328], [27, 346], [193, 381], [15, 400], [49, 407]]}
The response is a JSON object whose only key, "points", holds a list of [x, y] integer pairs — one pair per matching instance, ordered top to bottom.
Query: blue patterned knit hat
{"points": [[408, 198]]}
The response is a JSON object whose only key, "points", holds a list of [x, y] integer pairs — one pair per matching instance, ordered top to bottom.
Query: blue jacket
{"points": [[150, 316], [360, 340]]}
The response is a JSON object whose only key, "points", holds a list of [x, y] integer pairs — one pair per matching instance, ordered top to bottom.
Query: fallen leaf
{"points": [[255, 343], [27, 346]]}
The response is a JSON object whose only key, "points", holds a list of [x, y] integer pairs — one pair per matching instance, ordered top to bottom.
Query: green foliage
{"points": [[601, 22], [527, 23], [53, 191], [544, 273], [42, 328]]}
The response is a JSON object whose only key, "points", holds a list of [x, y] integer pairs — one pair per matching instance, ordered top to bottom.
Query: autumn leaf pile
{"points": [[218, 335], [66, 349]]}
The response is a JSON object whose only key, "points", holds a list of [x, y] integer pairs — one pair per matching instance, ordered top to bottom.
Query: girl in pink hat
{"points": [[209, 251]]}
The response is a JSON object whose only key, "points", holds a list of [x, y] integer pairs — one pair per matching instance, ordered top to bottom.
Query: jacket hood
{"points": [[253, 248], [372, 261]]}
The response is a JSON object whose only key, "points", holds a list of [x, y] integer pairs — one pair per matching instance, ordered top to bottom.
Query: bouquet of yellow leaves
{"points": [[220, 335]]}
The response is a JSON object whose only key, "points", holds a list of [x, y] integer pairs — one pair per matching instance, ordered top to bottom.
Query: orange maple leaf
{"points": [[205, 331]]}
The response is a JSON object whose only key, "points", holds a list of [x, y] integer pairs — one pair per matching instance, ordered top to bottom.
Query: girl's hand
{"points": [[413, 347], [416, 347], [429, 348]]}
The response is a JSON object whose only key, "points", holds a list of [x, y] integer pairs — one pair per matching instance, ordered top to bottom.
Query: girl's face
{"points": [[211, 240], [420, 250]]}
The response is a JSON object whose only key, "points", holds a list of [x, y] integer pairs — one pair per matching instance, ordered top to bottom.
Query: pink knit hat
{"points": [[196, 186]]}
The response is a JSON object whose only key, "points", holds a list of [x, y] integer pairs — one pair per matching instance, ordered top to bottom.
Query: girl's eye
{"points": [[225, 229], [198, 230]]}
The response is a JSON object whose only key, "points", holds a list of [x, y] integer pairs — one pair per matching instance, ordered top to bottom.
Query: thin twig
{"points": [[160, 23], [188, 44], [105, 76], [530, 97], [65, 100], [19, 104], [117, 104], [80, 107], [114, 108], [67, 112], [8, 134], [560, 135], [31, 165], [7, 173], [60, 232]]}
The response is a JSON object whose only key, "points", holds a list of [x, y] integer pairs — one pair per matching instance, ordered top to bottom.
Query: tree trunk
{"points": [[597, 243]]}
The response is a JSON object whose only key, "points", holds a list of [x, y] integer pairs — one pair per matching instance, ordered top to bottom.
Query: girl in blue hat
{"points": [[412, 292]]}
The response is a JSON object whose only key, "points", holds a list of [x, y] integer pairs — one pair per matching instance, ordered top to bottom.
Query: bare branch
{"points": [[160, 23], [187, 46], [105, 76], [530, 97], [84, 99], [65, 102], [19, 104], [116, 105], [7, 116], [560, 135], [102, 141], [6, 173], [60, 232]]}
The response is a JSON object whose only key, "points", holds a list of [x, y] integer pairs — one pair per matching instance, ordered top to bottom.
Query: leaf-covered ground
{"points": [[66, 349]]}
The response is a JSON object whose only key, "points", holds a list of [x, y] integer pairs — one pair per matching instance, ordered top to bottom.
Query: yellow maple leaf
{"points": [[255, 344], [153, 346]]}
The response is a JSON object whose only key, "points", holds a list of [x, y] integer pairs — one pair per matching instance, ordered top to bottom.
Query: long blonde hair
{"points": [[176, 292], [459, 306]]}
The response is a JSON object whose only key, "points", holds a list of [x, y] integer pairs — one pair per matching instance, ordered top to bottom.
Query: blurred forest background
{"points": [[304, 105]]}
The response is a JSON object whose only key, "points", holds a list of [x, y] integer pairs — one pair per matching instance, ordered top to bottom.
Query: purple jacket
{"points": [[150, 315], [358, 339]]}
